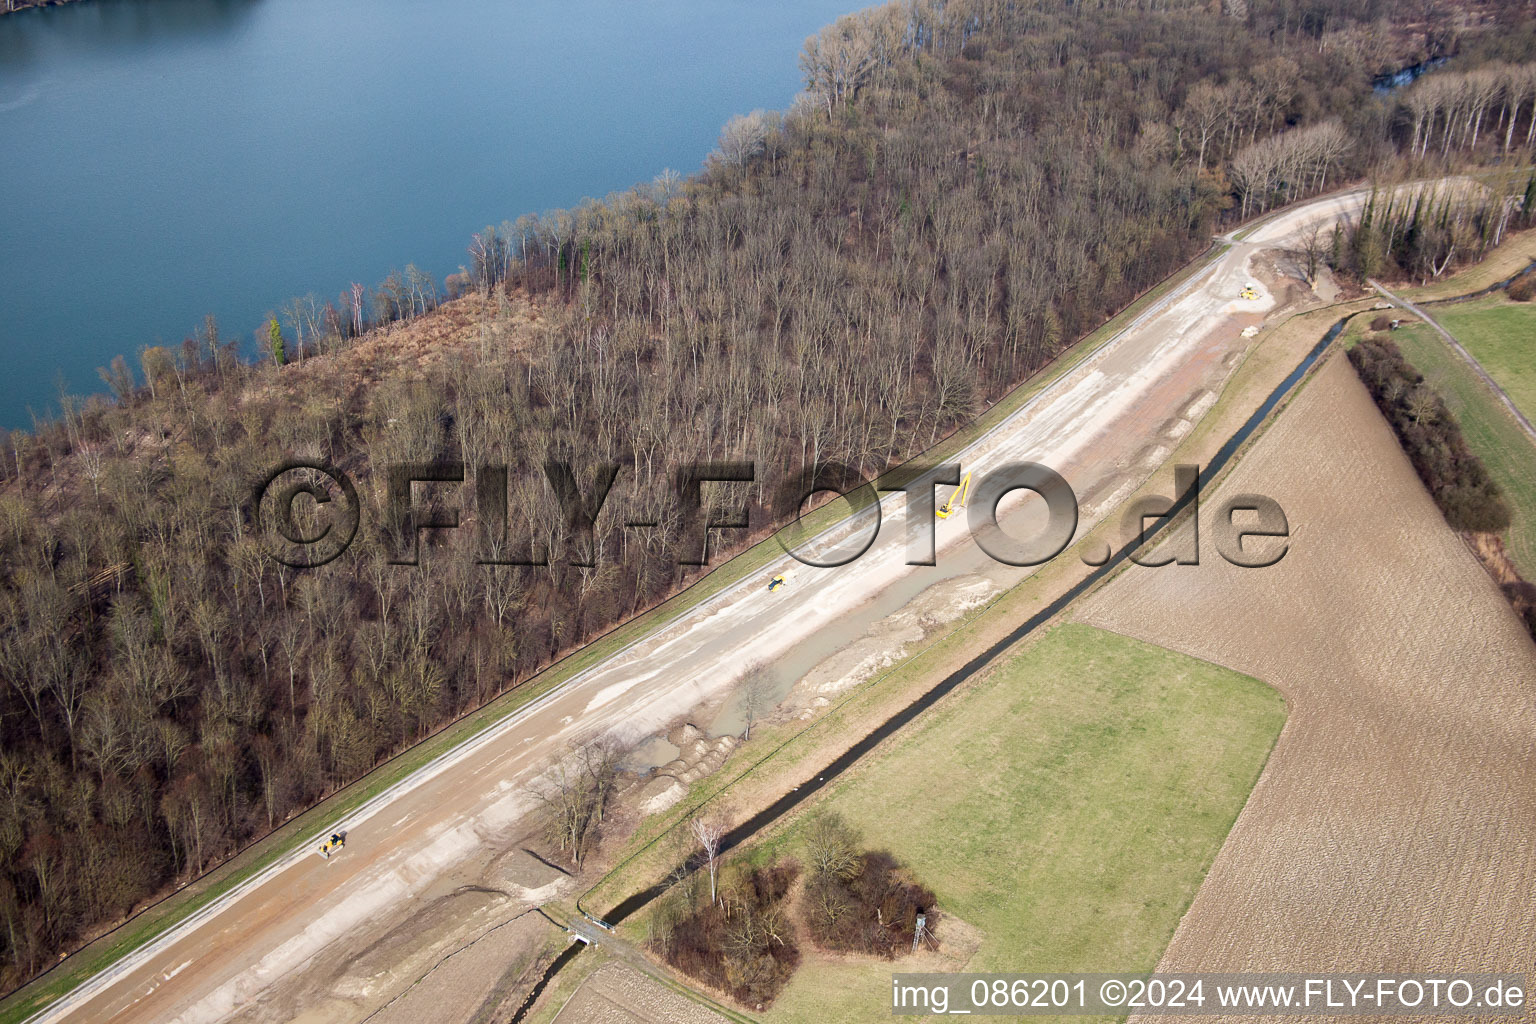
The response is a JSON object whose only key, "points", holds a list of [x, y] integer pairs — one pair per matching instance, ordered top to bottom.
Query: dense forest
{"points": [[964, 188]]}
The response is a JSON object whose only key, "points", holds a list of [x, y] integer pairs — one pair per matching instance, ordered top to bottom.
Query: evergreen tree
{"points": [[275, 341]]}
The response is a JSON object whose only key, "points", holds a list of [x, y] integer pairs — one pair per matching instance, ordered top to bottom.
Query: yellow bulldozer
{"points": [[1250, 292], [333, 844]]}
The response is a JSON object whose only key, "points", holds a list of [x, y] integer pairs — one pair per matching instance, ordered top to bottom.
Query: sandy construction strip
{"points": [[1394, 827], [471, 983]]}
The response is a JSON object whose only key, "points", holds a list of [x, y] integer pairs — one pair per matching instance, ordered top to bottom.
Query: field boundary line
{"points": [[1338, 327], [1471, 360]]}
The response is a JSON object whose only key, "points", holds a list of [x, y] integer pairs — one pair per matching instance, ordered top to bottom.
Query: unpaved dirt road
{"points": [[1471, 360], [1104, 426], [1394, 827]]}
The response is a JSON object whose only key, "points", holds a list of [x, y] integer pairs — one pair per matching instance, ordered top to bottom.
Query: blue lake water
{"points": [[165, 159]]}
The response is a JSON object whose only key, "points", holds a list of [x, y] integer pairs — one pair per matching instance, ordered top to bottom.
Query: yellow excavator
{"points": [[1250, 293], [957, 500]]}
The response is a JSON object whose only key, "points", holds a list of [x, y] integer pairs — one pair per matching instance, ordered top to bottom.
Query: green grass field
{"points": [[1502, 336], [1490, 430], [1067, 805]]}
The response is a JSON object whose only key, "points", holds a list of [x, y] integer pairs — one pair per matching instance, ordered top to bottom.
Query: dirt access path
{"points": [[1477, 367], [1105, 425], [1394, 827]]}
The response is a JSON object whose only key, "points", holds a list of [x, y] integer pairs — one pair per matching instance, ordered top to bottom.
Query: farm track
{"points": [[1470, 359]]}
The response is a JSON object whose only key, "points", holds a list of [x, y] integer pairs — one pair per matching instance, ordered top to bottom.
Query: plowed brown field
{"points": [[1394, 828], [619, 994]]}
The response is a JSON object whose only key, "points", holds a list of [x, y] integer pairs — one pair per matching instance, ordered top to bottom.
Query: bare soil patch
{"points": [[1240, 375], [889, 640], [698, 755], [1394, 827], [521, 868], [473, 983], [619, 994]]}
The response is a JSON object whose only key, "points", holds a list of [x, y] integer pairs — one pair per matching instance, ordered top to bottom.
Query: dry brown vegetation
{"points": [[1422, 234], [1514, 255], [851, 280], [1431, 437], [1457, 479], [1521, 593], [1394, 827], [861, 901], [742, 935], [740, 940]]}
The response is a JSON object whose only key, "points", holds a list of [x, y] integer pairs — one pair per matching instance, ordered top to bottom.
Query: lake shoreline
{"points": [[206, 191]]}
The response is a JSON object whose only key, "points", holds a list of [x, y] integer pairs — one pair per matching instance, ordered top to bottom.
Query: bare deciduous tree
{"points": [[839, 60], [1204, 111], [743, 136], [1314, 244], [756, 694], [574, 791], [708, 832], [831, 846]]}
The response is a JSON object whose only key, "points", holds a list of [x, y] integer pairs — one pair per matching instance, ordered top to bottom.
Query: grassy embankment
{"points": [[1513, 255], [1501, 335], [1491, 433], [784, 754], [963, 849], [196, 896], [565, 983]]}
